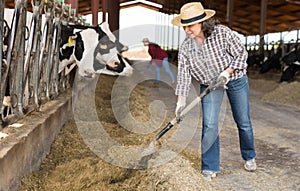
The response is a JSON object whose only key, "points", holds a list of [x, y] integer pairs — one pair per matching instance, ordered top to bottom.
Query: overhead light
{"points": [[142, 1], [293, 1], [128, 3]]}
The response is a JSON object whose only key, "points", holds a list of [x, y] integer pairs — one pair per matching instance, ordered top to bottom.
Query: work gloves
{"points": [[224, 76], [181, 103]]}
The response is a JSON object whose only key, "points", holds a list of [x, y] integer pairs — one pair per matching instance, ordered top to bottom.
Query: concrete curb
{"points": [[24, 149]]}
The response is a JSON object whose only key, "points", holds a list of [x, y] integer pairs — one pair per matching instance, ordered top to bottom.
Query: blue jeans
{"points": [[166, 66], [238, 94]]}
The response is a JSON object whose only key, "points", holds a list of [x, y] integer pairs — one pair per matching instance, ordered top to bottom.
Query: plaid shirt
{"points": [[222, 49]]}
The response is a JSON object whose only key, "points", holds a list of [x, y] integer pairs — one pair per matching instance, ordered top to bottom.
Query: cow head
{"points": [[96, 50], [292, 56], [107, 57], [291, 65], [289, 71]]}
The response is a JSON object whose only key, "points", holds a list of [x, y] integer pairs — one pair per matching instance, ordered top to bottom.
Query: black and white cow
{"points": [[7, 28], [6, 32], [94, 49], [255, 58], [272, 61], [291, 65], [6, 100]]}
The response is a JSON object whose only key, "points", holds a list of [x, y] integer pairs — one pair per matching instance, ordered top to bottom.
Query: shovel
{"points": [[213, 86]]}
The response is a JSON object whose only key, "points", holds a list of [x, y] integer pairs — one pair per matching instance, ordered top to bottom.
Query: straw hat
{"points": [[192, 13]]}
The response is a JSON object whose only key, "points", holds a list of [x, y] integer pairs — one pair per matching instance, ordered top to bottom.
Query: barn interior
{"points": [[41, 155]]}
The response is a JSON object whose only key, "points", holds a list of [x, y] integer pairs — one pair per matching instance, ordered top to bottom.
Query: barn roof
{"points": [[281, 15]]}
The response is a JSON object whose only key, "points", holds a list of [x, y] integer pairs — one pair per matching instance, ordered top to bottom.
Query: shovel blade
{"points": [[150, 149]]}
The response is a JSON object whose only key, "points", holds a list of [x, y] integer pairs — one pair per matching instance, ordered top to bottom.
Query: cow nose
{"points": [[113, 63], [116, 63]]}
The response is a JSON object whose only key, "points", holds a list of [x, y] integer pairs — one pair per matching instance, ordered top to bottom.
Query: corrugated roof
{"points": [[282, 15]]}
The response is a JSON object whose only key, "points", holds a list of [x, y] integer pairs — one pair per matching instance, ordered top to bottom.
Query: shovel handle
{"points": [[210, 88], [190, 106], [173, 121]]}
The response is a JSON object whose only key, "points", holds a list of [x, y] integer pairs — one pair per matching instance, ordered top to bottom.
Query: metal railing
{"points": [[29, 70]]}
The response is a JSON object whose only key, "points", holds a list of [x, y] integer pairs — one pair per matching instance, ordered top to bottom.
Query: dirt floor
{"points": [[73, 164]]}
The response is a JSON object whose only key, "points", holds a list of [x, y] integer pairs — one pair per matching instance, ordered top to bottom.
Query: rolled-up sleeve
{"points": [[238, 51]]}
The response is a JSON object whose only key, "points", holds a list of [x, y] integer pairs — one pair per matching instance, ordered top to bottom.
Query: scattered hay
{"points": [[262, 86], [71, 165]]}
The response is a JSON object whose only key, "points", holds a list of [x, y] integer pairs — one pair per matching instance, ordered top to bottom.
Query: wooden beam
{"points": [[210, 4], [230, 5], [95, 8], [111, 9], [104, 10], [114, 17], [263, 18]]}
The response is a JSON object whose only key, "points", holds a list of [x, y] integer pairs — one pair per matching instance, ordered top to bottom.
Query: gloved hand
{"points": [[224, 76], [181, 102]]}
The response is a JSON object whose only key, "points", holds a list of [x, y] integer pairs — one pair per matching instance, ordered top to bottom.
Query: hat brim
{"points": [[177, 20]]}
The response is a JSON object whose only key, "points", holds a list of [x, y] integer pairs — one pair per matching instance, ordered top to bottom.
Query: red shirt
{"points": [[157, 53]]}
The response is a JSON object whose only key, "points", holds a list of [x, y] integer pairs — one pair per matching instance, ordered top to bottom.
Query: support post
{"points": [[230, 5], [95, 8], [112, 10], [263, 18]]}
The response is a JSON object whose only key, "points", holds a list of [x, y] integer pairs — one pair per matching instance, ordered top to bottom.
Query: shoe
{"points": [[250, 165], [208, 174]]}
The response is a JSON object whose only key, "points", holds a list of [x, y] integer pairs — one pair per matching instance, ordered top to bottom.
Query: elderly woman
{"points": [[211, 51]]}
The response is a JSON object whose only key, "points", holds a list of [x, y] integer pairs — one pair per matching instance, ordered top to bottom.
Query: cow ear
{"points": [[103, 46]]}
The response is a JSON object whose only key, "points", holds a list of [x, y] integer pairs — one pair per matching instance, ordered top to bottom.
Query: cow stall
{"points": [[30, 44], [280, 59]]}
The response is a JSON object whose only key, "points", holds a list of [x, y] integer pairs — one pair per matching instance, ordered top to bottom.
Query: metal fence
{"points": [[30, 57]]}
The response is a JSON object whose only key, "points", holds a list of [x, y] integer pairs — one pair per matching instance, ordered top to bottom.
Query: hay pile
{"points": [[274, 92], [285, 93]]}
